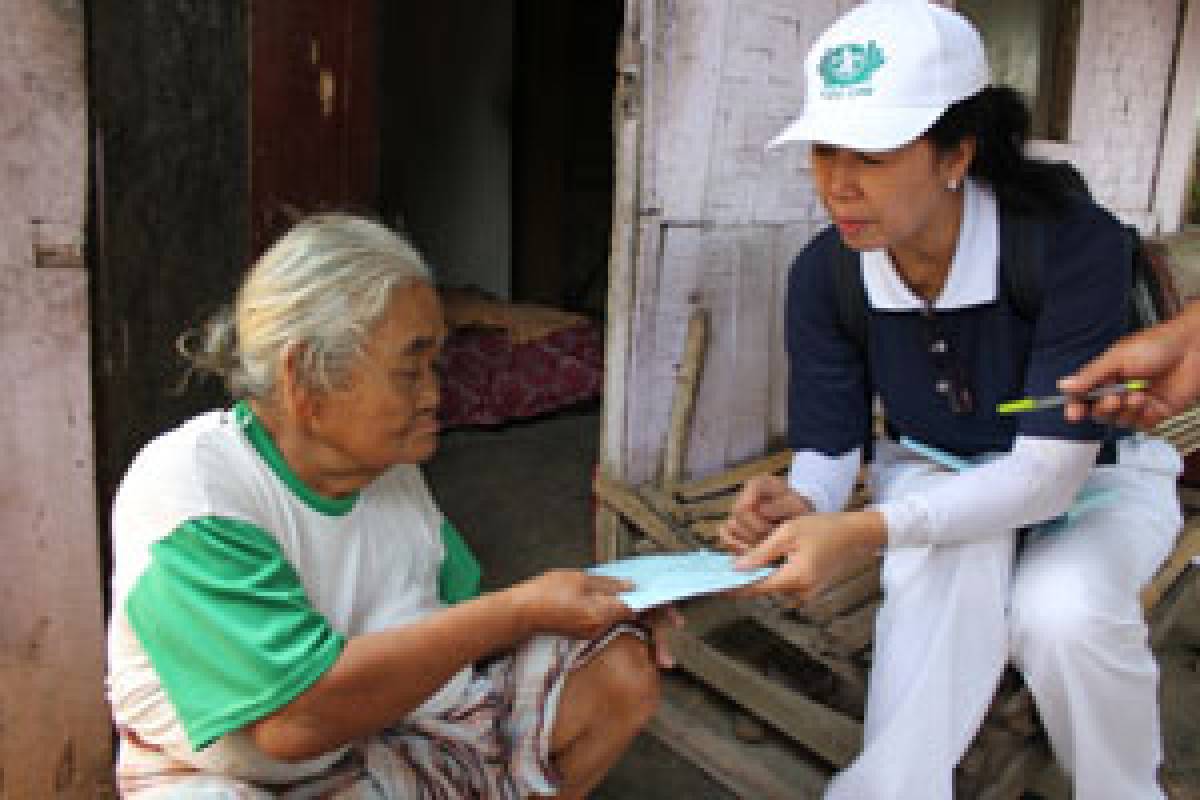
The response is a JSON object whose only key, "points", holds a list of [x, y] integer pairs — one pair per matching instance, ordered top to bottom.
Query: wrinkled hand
{"points": [[1166, 356], [764, 502], [816, 551], [571, 603], [661, 621]]}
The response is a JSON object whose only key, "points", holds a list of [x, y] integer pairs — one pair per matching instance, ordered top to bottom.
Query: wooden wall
{"points": [[704, 216], [707, 218], [170, 229], [54, 731]]}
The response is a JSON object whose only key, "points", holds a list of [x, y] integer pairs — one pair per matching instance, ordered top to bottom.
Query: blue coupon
{"points": [[661, 579]]}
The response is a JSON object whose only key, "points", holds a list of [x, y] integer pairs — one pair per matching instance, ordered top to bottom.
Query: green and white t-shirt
{"points": [[235, 587]]}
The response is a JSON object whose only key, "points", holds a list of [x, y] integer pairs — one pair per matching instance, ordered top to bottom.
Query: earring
{"points": [[952, 185]]}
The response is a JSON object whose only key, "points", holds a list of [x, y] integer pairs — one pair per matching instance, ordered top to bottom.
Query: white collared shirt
{"points": [[974, 271]]}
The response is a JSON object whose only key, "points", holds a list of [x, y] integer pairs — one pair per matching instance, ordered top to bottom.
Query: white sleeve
{"points": [[826, 481], [1036, 481]]}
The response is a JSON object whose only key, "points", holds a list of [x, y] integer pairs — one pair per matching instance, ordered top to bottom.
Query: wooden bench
{"points": [[803, 670]]}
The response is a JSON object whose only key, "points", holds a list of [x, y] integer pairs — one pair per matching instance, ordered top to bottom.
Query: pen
{"points": [[1056, 400]]}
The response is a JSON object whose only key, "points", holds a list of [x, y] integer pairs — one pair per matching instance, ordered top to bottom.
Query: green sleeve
{"points": [[460, 574], [227, 626]]}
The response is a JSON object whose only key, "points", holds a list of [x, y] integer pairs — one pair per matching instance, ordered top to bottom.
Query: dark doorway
{"points": [[496, 142]]}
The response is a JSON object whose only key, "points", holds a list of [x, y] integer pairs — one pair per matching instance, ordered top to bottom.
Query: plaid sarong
{"points": [[493, 745]]}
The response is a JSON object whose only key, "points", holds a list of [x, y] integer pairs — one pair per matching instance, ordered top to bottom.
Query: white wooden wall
{"points": [[1122, 84], [704, 216], [717, 221], [54, 725]]}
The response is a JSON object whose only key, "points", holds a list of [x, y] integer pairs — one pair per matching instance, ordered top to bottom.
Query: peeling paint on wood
{"points": [[721, 219], [54, 728]]}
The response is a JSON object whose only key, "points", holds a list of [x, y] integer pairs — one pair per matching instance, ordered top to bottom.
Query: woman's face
{"points": [[879, 200], [386, 414]]}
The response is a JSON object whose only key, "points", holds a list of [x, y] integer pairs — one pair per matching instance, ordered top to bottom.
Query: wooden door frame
{"points": [[1181, 129], [55, 732]]}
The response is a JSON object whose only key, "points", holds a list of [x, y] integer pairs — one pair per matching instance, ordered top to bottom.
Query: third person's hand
{"points": [[764, 503]]}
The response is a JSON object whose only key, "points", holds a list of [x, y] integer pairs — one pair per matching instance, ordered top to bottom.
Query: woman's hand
{"points": [[1166, 356], [764, 503], [816, 551], [571, 603], [582, 606], [661, 621]]}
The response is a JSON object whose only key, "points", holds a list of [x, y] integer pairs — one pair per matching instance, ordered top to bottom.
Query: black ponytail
{"points": [[999, 120]]}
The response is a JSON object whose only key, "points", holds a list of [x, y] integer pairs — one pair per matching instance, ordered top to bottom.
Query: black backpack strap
{"points": [[1022, 263], [851, 295]]}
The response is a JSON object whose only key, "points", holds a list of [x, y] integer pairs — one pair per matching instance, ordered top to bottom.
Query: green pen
{"points": [[1056, 400]]}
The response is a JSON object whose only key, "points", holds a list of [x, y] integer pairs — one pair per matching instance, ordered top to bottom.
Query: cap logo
{"points": [[849, 65]]}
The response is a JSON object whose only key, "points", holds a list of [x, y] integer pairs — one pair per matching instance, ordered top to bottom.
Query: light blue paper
{"points": [[1087, 499], [661, 579]]}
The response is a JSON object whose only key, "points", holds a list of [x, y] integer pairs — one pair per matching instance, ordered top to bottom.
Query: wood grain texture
{"points": [[168, 89], [718, 221], [683, 401], [54, 729]]}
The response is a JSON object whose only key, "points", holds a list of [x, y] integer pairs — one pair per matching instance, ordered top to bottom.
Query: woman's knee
{"points": [[1065, 613], [627, 678]]}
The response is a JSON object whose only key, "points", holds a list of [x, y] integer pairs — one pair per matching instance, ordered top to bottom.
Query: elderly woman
{"points": [[922, 167], [280, 622]]}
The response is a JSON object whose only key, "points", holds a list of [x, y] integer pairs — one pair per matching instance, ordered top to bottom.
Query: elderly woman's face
{"points": [[877, 200], [387, 412]]}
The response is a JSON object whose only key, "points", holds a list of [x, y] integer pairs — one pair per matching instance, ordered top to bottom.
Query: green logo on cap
{"points": [[850, 64]]}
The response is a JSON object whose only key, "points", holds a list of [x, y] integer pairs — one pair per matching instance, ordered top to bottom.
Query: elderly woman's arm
{"points": [[381, 677]]}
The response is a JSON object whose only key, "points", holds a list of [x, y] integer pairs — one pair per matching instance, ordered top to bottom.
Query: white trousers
{"points": [[1067, 614]]}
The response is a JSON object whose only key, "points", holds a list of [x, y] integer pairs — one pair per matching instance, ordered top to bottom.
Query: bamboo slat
{"points": [[683, 402], [732, 478], [850, 593], [826, 732]]}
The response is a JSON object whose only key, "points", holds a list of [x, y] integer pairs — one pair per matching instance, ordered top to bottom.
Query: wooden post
{"points": [[683, 403], [611, 538], [54, 726]]}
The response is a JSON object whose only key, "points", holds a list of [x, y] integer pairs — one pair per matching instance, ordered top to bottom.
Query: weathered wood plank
{"points": [[686, 110], [627, 128], [708, 256], [749, 399], [683, 404], [644, 425], [732, 478], [622, 500], [712, 508], [707, 530], [610, 538], [1186, 549], [850, 593], [1178, 599], [707, 615], [854, 629], [54, 728], [700, 734], [831, 735], [1021, 764]]}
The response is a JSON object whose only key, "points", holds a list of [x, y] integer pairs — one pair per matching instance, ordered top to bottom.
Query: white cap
{"points": [[884, 72]]}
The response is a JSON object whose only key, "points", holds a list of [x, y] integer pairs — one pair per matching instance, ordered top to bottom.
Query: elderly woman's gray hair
{"points": [[319, 290]]}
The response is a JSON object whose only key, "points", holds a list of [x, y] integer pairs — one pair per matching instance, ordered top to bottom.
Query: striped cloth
{"points": [[495, 745]]}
